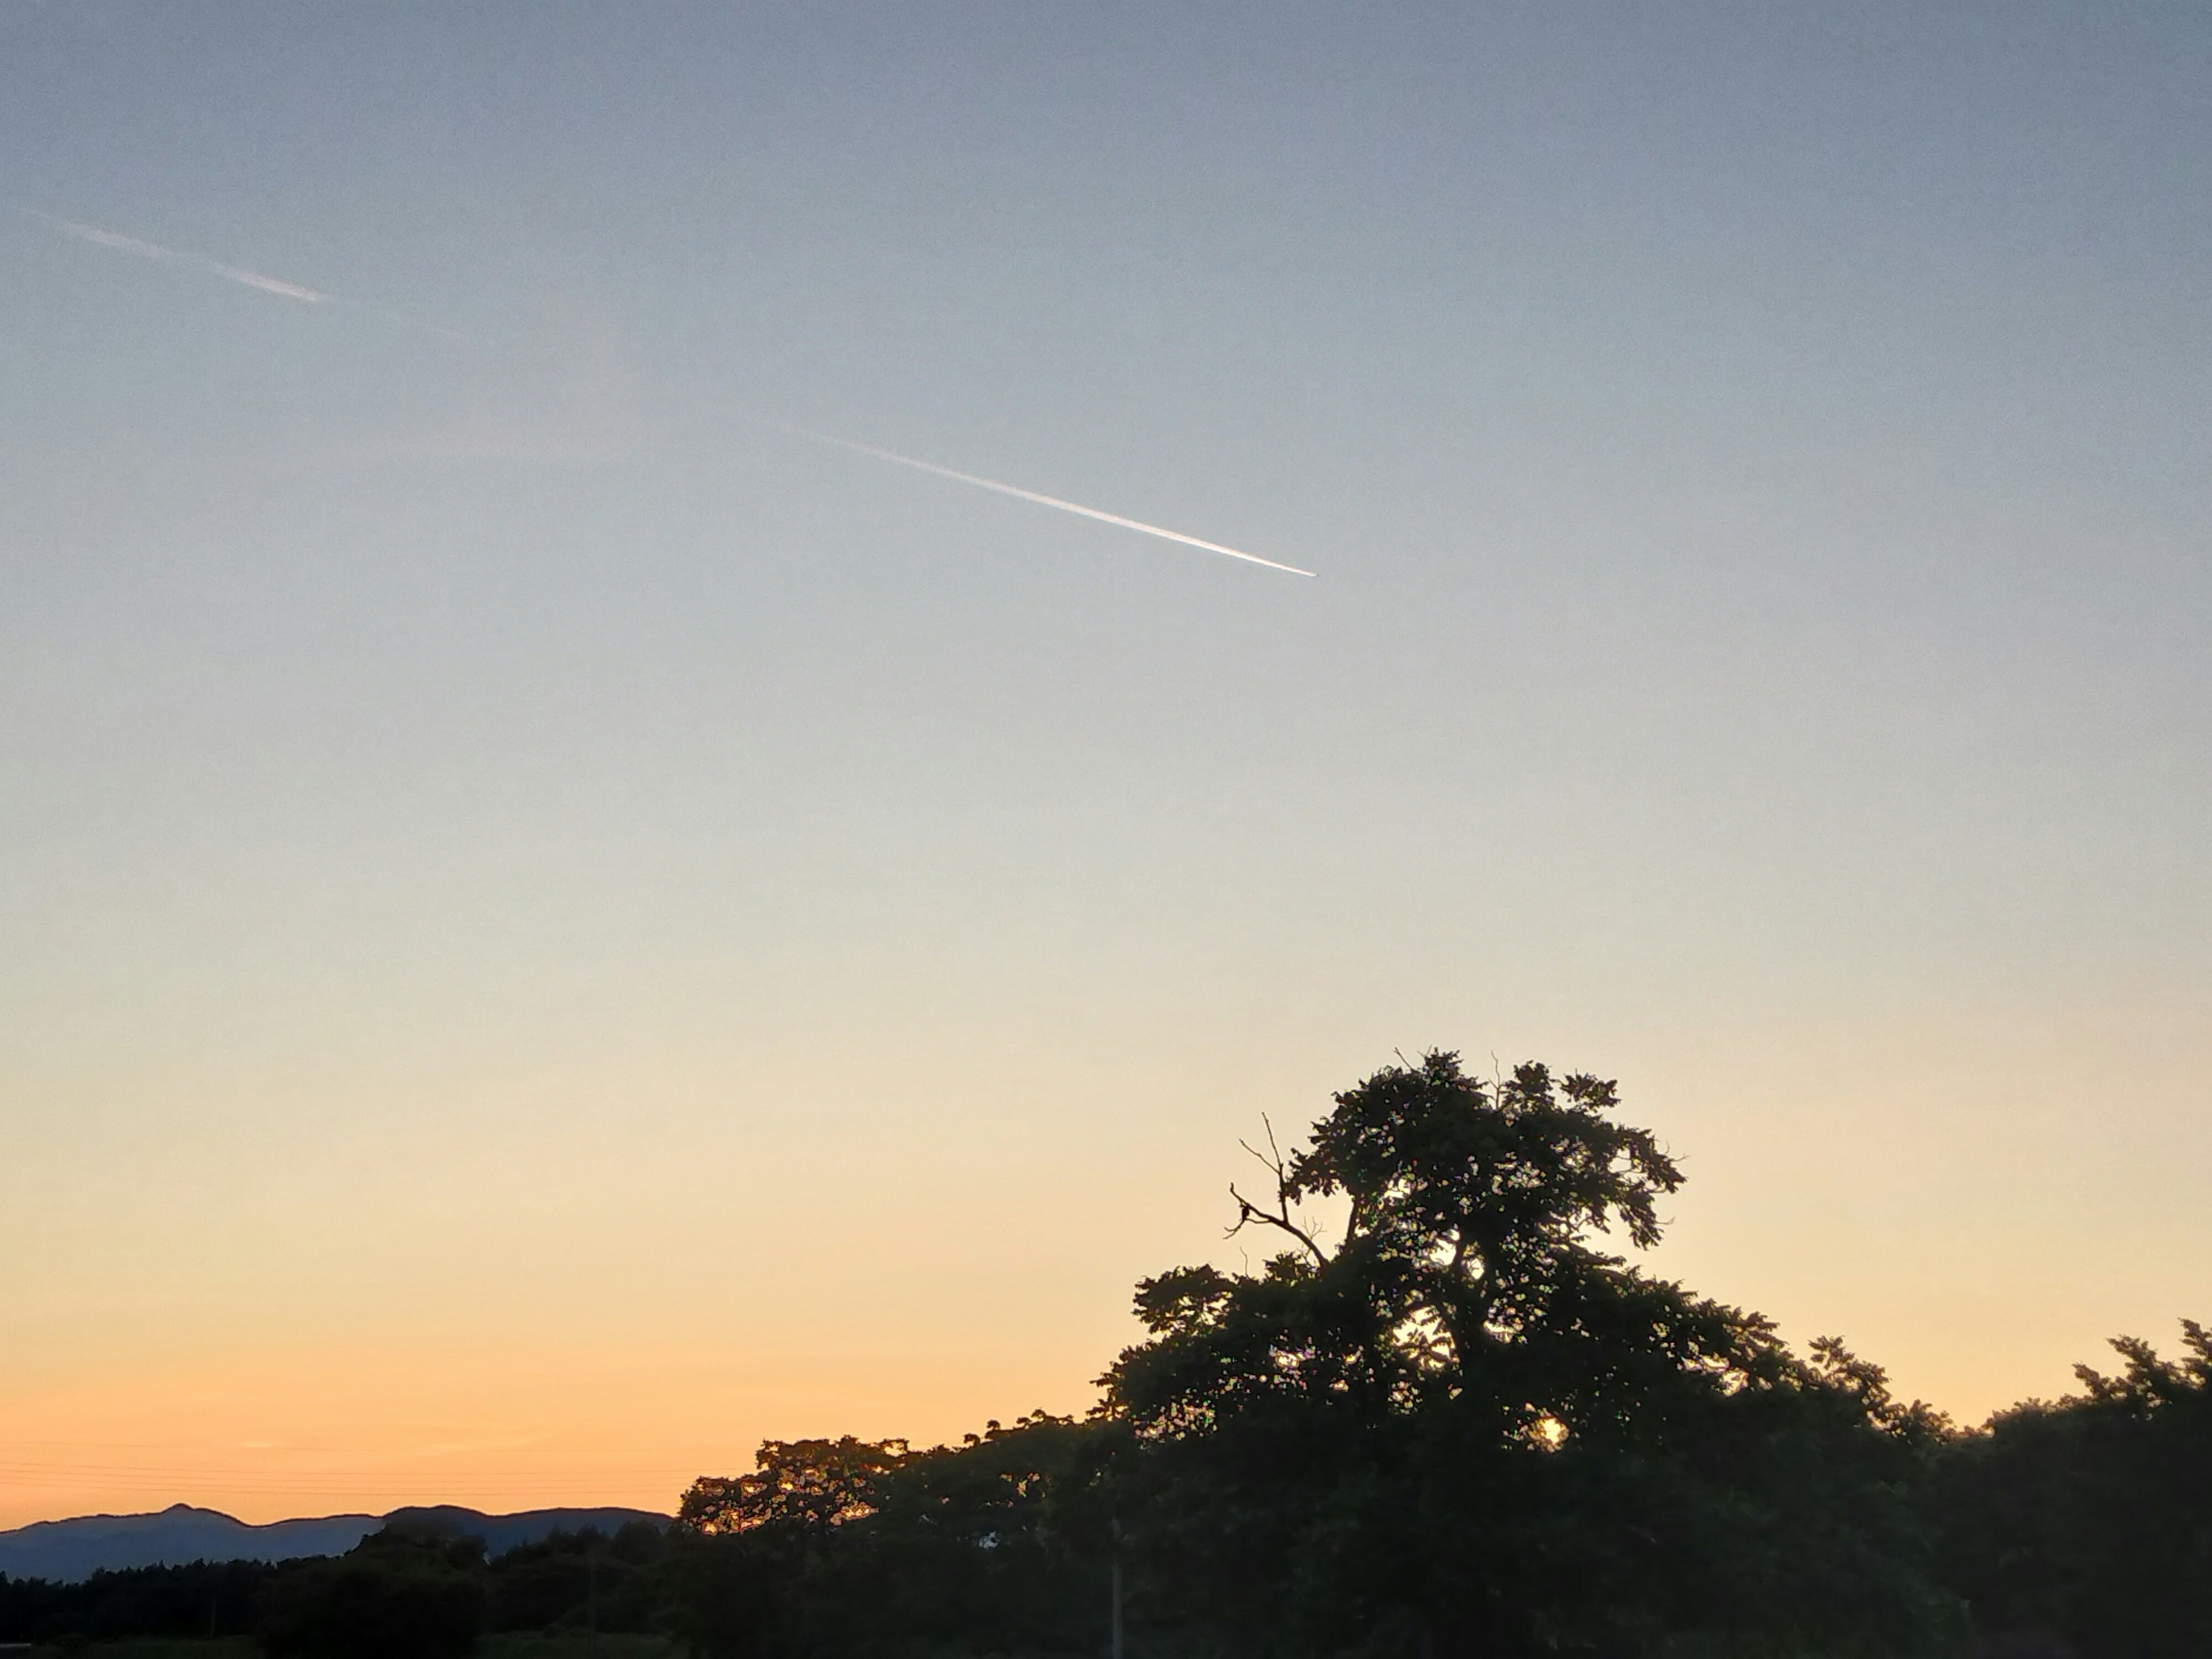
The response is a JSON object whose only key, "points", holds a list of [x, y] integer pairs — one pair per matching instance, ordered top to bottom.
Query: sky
{"points": [[556, 927]]}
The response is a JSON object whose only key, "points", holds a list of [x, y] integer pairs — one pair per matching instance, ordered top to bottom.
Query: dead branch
{"points": [[1279, 1217]]}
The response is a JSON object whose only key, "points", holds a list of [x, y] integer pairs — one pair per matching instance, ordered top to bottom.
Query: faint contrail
{"points": [[170, 255], [253, 279], [284, 290], [1032, 496]]}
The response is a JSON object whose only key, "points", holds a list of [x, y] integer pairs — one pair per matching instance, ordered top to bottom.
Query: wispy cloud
{"points": [[100, 237], [170, 255], [1020, 494]]}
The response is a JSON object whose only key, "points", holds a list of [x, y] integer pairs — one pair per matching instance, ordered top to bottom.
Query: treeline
{"points": [[1449, 1424], [413, 1588]]}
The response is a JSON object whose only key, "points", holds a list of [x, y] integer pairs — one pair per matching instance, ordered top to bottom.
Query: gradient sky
{"points": [[553, 930]]}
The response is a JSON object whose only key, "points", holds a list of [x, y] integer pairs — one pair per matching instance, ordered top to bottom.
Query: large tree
{"points": [[1442, 1419]]}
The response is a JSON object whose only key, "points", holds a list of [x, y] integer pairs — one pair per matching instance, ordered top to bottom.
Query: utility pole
{"points": [[1116, 1525]]}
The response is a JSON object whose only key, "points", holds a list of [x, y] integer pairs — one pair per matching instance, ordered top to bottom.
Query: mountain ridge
{"points": [[69, 1550]]}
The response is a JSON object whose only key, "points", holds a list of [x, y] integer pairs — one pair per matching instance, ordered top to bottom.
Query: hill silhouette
{"points": [[68, 1551]]}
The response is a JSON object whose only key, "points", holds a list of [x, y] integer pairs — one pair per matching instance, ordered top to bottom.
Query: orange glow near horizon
{"points": [[591, 1316], [336, 1434]]}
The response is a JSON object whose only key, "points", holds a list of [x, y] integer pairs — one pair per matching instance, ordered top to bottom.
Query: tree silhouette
{"points": [[1442, 1419], [812, 1485], [2089, 1519]]}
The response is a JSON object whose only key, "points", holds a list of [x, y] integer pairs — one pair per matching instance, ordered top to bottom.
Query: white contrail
{"points": [[170, 255], [252, 279], [284, 290], [1032, 496]]}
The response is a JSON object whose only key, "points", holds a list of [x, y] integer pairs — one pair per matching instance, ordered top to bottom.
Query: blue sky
{"points": [[472, 803]]}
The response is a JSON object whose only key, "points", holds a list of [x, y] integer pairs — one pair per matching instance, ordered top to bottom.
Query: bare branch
{"points": [[1271, 1160], [1279, 1218]]}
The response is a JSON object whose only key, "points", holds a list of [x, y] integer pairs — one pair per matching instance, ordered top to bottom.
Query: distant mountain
{"points": [[70, 1550]]}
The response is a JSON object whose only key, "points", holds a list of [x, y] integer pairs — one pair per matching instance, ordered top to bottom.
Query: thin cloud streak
{"points": [[171, 256], [253, 279], [266, 284], [1020, 494]]}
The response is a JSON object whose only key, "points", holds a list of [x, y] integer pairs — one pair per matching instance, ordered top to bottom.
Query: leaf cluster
{"points": [[2090, 1518]]}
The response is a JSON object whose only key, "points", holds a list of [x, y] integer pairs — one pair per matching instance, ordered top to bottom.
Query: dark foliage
{"points": [[1455, 1426], [1463, 1428], [805, 1485], [2090, 1519], [997, 1546], [578, 1580], [398, 1591], [203, 1599]]}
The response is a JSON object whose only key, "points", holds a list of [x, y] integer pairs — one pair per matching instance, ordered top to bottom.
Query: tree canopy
{"points": [[1445, 1418], [813, 1485], [2090, 1517]]}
